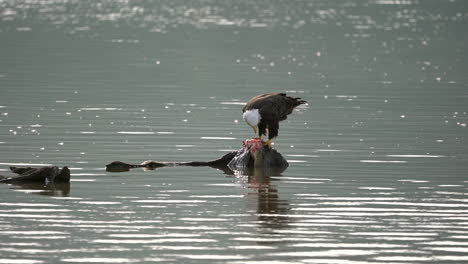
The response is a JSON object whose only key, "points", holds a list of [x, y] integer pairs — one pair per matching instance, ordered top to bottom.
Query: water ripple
{"points": [[154, 241], [98, 260]]}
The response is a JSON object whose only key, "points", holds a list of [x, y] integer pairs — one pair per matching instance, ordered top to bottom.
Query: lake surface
{"points": [[378, 158]]}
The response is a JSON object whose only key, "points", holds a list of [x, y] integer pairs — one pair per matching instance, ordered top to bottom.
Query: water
{"points": [[378, 158]]}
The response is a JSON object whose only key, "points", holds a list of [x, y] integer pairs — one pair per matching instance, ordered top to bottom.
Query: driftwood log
{"points": [[253, 156], [119, 166], [44, 175]]}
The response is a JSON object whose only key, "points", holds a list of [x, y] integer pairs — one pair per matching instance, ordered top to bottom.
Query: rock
{"points": [[256, 156]]}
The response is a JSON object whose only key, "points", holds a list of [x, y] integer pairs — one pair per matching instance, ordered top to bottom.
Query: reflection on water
{"points": [[377, 163], [54, 189], [271, 210], [254, 218]]}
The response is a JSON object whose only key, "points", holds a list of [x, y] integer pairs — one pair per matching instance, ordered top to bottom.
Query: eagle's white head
{"points": [[252, 117]]}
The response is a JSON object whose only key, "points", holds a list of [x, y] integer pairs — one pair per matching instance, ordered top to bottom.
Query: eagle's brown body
{"points": [[272, 108]]}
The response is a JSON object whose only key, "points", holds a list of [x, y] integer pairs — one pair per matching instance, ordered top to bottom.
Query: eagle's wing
{"points": [[287, 105], [273, 106]]}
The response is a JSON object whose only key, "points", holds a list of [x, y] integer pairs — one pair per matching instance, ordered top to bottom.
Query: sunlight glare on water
{"points": [[377, 157]]}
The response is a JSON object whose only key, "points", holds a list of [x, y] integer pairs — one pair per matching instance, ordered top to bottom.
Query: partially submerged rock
{"points": [[253, 156], [44, 175]]}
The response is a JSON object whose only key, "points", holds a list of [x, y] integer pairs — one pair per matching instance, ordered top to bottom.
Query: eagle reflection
{"points": [[271, 210]]}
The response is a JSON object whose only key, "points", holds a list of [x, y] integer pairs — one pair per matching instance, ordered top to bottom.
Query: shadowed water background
{"points": [[378, 158]]}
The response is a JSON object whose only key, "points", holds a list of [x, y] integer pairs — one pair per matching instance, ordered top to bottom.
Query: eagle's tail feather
{"points": [[298, 101]]}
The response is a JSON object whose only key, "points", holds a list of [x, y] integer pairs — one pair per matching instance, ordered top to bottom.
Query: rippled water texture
{"points": [[378, 158]]}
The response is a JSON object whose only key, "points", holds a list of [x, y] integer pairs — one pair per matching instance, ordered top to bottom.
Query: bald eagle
{"points": [[264, 112]]}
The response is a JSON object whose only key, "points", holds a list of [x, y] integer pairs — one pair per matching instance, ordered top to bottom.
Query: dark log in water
{"points": [[253, 156], [119, 166], [44, 175]]}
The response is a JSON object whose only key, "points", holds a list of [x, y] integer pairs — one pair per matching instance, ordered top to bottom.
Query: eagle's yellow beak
{"points": [[255, 130]]}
